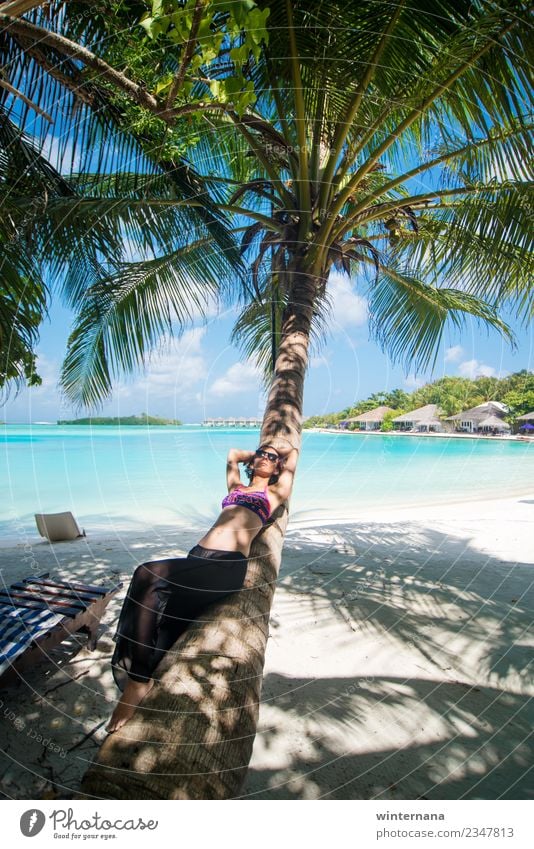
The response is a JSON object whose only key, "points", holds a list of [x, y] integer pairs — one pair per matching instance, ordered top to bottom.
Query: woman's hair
{"points": [[249, 468]]}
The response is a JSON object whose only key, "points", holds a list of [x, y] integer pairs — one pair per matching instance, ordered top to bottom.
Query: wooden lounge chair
{"points": [[58, 526], [37, 614]]}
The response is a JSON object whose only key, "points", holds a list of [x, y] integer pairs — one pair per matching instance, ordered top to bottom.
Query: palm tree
{"points": [[18, 7], [374, 138], [27, 180], [46, 216], [43, 234]]}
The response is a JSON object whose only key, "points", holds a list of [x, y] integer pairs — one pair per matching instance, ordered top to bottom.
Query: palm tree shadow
{"points": [[406, 582], [452, 720], [459, 728], [349, 738]]}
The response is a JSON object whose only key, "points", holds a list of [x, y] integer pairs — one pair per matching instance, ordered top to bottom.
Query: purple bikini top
{"points": [[257, 501]]}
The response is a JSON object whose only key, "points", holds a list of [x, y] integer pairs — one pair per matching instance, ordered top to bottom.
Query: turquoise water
{"points": [[114, 479]]}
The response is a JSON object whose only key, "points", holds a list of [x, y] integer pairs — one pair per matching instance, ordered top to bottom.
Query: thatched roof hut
{"points": [[480, 412], [376, 415], [489, 415], [427, 416], [528, 417], [370, 420], [494, 422]]}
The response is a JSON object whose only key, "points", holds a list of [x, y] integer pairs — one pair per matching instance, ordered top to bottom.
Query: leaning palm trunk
{"points": [[19, 7], [192, 737]]}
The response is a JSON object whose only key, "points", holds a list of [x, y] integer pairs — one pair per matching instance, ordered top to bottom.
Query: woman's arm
{"points": [[235, 456], [284, 484]]}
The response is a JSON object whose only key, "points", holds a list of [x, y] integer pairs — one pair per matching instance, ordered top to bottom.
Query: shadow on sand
{"points": [[448, 715], [452, 715]]}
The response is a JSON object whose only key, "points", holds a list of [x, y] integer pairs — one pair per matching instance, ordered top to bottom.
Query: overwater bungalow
{"points": [[485, 418], [371, 420], [423, 420], [232, 421]]}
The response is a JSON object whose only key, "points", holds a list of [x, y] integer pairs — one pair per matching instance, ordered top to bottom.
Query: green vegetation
{"points": [[271, 144], [452, 394], [142, 419]]}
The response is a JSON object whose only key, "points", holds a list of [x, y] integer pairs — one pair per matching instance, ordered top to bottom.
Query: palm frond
{"points": [[430, 106], [482, 243], [22, 309], [124, 316], [408, 316], [257, 331]]}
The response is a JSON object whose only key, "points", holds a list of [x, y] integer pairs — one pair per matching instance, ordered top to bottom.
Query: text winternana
{"points": [[390, 816]]}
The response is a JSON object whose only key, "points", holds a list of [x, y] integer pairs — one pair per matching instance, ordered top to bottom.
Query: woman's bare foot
{"points": [[134, 692]]}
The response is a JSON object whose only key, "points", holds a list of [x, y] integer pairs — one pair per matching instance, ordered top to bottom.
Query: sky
{"points": [[203, 375]]}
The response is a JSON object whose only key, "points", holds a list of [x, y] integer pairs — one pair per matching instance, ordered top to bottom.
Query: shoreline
{"points": [[516, 437], [509, 438], [418, 509], [376, 512]]}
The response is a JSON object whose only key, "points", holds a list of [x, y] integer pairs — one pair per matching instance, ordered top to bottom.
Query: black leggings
{"points": [[162, 599]]}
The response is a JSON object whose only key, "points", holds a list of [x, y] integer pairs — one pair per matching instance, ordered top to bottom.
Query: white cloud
{"points": [[60, 153], [131, 253], [208, 307], [348, 308], [453, 354], [175, 368], [48, 369], [472, 369], [173, 376], [241, 377], [413, 382], [46, 393], [38, 403]]}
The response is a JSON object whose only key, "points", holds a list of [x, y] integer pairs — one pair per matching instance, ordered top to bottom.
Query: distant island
{"points": [[143, 420]]}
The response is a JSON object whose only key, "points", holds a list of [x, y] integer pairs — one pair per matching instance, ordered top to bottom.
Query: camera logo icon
{"points": [[32, 822]]}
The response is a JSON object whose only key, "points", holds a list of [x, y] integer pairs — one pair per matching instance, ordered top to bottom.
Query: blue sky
{"points": [[203, 374]]}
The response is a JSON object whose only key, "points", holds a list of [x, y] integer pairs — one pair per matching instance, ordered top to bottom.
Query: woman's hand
{"points": [[286, 452], [236, 455]]}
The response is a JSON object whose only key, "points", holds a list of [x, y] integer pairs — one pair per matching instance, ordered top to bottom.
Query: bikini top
{"points": [[257, 501]]}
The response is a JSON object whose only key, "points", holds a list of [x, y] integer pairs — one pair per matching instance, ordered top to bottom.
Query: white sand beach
{"points": [[399, 663]]}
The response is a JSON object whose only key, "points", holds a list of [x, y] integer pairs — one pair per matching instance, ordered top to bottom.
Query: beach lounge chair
{"points": [[58, 526], [37, 614]]}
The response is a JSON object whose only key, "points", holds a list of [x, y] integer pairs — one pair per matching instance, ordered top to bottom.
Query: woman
{"points": [[165, 595]]}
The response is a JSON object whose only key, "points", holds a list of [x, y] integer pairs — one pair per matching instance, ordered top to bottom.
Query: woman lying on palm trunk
{"points": [[165, 595]]}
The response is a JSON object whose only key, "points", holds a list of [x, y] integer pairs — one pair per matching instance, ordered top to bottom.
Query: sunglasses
{"points": [[267, 455]]}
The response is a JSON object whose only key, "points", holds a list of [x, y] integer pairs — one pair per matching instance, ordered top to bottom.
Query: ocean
{"points": [[139, 479]]}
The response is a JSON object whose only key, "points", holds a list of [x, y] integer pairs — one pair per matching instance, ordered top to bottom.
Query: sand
{"points": [[399, 663]]}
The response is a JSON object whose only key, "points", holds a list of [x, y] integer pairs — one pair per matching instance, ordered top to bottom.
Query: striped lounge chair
{"points": [[37, 614]]}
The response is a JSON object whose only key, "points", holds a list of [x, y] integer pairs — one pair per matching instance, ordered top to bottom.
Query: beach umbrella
{"points": [[494, 421], [527, 427]]}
